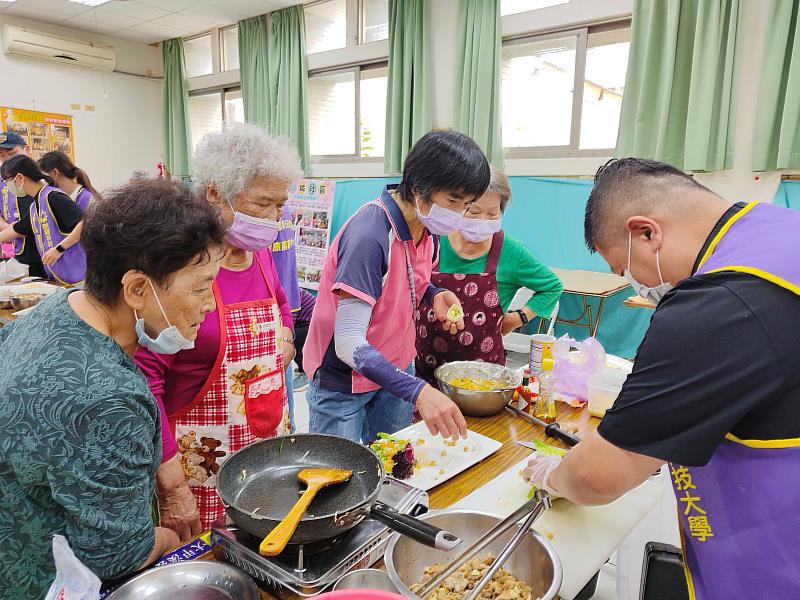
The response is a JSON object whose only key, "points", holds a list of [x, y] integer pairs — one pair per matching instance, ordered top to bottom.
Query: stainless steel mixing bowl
{"points": [[478, 403], [535, 561], [190, 580]]}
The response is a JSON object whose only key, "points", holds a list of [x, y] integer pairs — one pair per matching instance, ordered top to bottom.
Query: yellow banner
{"points": [[42, 131]]}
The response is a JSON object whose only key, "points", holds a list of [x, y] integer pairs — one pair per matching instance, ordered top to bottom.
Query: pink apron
{"points": [[243, 399]]}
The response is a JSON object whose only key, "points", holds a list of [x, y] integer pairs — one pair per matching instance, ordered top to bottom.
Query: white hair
{"points": [[230, 159]]}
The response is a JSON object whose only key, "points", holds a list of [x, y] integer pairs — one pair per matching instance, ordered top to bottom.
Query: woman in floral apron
{"points": [[485, 268], [229, 389]]}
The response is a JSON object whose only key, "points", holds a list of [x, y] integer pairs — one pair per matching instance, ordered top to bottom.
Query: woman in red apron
{"points": [[485, 268], [229, 390]]}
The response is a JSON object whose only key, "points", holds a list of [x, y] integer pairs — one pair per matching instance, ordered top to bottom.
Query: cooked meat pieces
{"points": [[503, 586]]}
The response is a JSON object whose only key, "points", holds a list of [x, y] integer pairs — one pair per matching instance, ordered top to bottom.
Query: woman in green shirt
{"points": [[485, 268], [80, 431]]}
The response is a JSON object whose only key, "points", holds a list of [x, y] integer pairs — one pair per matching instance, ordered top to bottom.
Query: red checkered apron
{"points": [[243, 399]]}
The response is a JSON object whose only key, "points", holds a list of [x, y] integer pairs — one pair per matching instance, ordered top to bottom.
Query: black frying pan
{"points": [[259, 485]]}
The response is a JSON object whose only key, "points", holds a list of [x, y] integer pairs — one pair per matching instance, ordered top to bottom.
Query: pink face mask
{"points": [[479, 230], [251, 233]]}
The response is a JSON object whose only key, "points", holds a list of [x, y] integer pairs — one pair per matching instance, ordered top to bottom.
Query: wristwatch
{"points": [[61, 249], [523, 317]]}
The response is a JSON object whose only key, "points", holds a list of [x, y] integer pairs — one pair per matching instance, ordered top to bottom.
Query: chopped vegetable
{"points": [[481, 385], [545, 449], [397, 455]]}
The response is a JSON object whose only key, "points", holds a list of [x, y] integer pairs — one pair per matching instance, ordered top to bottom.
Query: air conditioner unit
{"points": [[21, 41]]}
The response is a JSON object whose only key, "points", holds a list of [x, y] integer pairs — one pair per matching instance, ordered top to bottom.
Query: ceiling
{"points": [[146, 21]]}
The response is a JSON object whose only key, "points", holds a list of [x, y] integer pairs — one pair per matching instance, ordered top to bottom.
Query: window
{"points": [[512, 7], [374, 20], [337, 24], [326, 26], [230, 48], [197, 52], [606, 66], [538, 78], [562, 92], [234, 106], [209, 110], [347, 111], [205, 115]]}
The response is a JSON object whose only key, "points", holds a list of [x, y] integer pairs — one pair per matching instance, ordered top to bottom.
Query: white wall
{"points": [[124, 133], [737, 184]]}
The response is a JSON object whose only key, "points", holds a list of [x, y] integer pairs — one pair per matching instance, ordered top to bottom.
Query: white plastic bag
{"points": [[11, 269], [575, 362], [74, 581]]}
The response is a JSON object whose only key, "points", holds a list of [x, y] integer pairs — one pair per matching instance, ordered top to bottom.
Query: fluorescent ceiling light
{"points": [[90, 2]]}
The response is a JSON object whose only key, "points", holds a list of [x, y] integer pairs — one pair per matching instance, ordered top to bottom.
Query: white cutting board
{"points": [[438, 459], [583, 536]]}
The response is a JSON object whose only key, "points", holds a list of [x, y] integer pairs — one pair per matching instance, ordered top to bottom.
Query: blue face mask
{"points": [[169, 341]]}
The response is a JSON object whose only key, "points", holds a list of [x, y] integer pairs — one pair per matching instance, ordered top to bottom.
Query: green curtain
{"points": [[254, 70], [288, 78], [477, 85], [408, 94], [679, 102], [177, 133], [777, 136]]}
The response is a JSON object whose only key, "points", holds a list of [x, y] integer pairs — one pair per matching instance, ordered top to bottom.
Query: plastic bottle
{"points": [[546, 403]]}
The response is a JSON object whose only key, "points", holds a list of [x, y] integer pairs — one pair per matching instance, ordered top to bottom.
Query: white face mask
{"points": [[15, 190], [440, 221], [654, 294], [169, 341]]}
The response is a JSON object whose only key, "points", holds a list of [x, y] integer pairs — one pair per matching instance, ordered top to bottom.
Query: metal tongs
{"points": [[533, 508]]}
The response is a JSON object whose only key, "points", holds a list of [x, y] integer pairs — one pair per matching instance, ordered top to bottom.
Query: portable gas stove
{"points": [[308, 570]]}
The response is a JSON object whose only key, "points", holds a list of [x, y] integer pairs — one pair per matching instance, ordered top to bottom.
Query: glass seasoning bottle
{"points": [[546, 402]]}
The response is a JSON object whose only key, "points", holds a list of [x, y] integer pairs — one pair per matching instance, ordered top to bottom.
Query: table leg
{"points": [[599, 314]]}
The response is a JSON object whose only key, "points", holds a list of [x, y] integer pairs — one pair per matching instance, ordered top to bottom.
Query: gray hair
{"points": [[231, 158], [139, 176], [498, 183]]}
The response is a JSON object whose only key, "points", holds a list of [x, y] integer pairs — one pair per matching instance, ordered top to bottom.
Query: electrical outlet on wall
{"points": [[75, 106], [88, 107]]}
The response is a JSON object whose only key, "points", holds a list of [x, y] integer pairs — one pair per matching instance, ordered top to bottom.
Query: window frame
{"points": [[354, 26], [212, 34], [222, 54], [220, 91], [573, 149], [349, 158]]}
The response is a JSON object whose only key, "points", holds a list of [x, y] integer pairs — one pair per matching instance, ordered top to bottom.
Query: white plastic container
{"points": [[604, 387]]}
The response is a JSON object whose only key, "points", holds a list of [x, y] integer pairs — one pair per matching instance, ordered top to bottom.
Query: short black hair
{"points": [[444, 160], [628, 180], [154, 226]]}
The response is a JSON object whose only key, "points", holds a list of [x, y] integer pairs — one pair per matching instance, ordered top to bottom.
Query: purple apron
{"points": [[84, 199], [9, 207], [284, 254], [70, 269], [739, 514]]}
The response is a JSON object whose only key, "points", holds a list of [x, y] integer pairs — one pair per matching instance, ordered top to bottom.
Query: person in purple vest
{"points": [[70, 179], [12, 208], [53, 219], [715, 390]]}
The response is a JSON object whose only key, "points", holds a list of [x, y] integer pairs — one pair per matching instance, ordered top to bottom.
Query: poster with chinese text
{"points": [[42, 130], [311, 202]]}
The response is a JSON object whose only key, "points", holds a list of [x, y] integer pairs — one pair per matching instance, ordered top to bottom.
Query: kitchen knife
{"points": [[552, 430]]}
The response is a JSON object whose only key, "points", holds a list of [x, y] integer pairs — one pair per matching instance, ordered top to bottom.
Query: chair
{"points": [[521, 342]]}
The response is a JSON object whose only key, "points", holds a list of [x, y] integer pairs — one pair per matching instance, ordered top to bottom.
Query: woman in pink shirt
{"points": [[228, 390]]}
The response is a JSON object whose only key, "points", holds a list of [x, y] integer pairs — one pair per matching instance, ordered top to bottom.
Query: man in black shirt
{"points": [[13, 208], [715, 390]]}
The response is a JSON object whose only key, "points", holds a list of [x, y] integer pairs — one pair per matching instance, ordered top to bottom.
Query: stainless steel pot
{"points": [[478, 403], [535, 561], [190, 580]]}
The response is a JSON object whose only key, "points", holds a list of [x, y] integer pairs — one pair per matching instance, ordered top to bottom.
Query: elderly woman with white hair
{"points": [[227, 390]]}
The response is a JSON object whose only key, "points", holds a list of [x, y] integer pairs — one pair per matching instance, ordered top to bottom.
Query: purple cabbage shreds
{"points": [[404, 463]]}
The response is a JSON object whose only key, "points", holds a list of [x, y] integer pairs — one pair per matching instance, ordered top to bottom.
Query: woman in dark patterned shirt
{"points": [[80, 435]]}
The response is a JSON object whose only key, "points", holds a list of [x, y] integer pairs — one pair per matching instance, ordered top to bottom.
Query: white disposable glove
{"points": [[538, 471]]}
